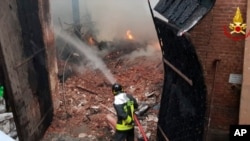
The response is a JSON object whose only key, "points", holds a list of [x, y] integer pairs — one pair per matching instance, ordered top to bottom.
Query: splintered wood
{"points": [[86, 98]]}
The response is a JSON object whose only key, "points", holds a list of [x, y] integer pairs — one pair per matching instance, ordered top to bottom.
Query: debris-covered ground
{"points": [[85, 93]]}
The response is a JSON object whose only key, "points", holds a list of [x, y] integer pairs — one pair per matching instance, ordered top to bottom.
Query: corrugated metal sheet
{"points": [[184, 14]]}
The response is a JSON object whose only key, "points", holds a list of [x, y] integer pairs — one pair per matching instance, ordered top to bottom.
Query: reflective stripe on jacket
{"points": [[124, 105]]}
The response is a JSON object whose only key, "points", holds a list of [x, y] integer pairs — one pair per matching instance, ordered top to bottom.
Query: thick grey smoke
{"points": [[111, 18], [88, 52]]}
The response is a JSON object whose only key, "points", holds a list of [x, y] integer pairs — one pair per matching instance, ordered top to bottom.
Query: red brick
{"points": [[214, 44]]}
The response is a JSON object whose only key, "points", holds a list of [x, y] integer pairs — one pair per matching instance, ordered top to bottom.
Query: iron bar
{"points": [[29, 58], [189, 81], [210, 107], [40, 122], [163, 134]]}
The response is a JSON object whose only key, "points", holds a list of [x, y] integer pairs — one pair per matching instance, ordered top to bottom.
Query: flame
{"points": [[237, 17], [129, 35], [91, 41]]}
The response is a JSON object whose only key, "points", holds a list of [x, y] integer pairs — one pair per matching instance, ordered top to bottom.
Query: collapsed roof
{"points": [[183, 14]]}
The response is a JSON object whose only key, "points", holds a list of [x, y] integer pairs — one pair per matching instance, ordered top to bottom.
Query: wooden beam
{"points": [[84, 89], [108, 109]]}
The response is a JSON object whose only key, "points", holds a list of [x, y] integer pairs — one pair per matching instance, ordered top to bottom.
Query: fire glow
{"points": [[129, 35], [91, 41]]}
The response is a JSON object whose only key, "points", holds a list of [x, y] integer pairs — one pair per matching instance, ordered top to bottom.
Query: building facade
{"points": [[224, 57]]}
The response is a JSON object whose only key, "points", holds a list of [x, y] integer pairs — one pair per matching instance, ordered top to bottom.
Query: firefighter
{"points": [[125, 105]]}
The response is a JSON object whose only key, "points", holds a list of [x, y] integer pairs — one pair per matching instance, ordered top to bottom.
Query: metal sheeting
{"points": [[184, 14], [183, 106]]}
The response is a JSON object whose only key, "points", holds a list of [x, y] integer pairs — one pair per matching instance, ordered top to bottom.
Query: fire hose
{"points": [[140, 127]]}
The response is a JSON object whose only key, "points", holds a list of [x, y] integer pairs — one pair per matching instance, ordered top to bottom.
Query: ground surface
{"points": [[81, 116]]}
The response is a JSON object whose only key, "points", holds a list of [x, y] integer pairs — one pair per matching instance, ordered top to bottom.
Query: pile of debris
{"points": [[85, 93], [86, 96], [7, 123]]}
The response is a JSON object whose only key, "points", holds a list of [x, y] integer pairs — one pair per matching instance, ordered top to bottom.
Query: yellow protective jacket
{"points": [[125, 104]]}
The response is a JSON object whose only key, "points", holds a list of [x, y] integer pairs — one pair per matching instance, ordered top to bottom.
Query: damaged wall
{"points": [[23, 53]]}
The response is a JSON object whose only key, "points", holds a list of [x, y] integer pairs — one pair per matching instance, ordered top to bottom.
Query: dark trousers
{"points": [[124, 135]]}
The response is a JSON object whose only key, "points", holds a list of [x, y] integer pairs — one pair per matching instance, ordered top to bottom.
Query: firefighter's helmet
{"points": [[117, 88]]}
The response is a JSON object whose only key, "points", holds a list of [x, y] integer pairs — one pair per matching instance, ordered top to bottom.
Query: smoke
{"points": [[111, 18], [109, 21], [150, 51], [88, 53]]}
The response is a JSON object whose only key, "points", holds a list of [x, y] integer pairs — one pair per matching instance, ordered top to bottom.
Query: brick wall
{"points": [[211, 45]]}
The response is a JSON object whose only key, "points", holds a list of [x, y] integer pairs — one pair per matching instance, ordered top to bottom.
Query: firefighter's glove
{"points": [[128, 120]]}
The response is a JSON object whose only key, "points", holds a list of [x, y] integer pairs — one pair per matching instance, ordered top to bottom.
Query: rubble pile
{"points": [[86, 98], [7, 123]]}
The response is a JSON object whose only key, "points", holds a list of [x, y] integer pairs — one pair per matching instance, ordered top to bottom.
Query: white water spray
{"points": [[88, 52]]}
